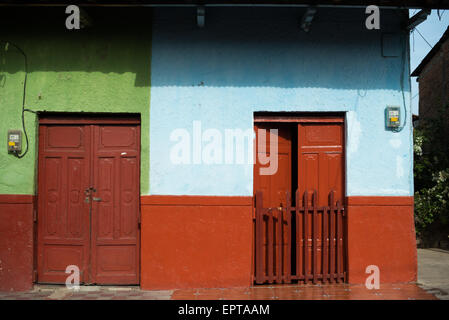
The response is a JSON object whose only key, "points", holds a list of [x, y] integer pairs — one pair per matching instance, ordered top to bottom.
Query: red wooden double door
{"points": [[310, 161], [88, 200]]}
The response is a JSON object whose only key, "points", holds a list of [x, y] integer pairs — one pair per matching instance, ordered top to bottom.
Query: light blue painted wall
{"points": [[257, 59]]}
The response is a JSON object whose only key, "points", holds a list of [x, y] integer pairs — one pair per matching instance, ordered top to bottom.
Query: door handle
{"points": [[96, 199]]}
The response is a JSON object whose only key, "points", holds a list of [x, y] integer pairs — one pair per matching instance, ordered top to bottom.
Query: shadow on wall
{"points": [[118, 41], [238, 47], [264, 47]]}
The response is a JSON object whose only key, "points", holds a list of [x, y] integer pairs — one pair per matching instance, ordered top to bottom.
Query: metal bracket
{"points": [[200, 16], [307, 18]]}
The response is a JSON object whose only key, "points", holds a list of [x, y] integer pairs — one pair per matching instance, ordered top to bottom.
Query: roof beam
{"points": [[415, 4], [418, 18]]}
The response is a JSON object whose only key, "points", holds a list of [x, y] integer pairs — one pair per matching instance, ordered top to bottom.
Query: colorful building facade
{"points": [[186, 89]]}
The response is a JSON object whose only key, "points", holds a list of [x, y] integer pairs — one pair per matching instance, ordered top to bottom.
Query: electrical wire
{"points": [[424, 38], [404, 57], [20, 156]]}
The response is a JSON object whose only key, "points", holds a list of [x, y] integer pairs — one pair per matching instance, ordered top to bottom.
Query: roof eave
{"points": [[429, 56]]}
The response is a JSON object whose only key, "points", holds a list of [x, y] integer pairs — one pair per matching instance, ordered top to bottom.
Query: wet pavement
{"points": [[432, 284], [407, 291]]}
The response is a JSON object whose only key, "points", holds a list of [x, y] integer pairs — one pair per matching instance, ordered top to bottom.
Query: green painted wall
{"points": [[95, 70]]}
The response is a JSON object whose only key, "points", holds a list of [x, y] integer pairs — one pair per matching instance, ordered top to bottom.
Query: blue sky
{"points": [[432, 29]]}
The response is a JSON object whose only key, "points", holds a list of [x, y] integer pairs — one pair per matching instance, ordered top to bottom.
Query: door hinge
{"points": [[34, 215], [138, 222], [34, 275]]}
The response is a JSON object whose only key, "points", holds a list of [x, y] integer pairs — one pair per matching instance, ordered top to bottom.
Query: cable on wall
{"points": [[7, 44], [404, 57]]}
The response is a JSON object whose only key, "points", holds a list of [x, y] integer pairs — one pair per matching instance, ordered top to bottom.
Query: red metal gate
{"points": [[303, 243]]}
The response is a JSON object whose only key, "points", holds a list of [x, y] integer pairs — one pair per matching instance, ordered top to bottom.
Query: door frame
{"points": [[301, 117], [306, 117], [85, 118]]}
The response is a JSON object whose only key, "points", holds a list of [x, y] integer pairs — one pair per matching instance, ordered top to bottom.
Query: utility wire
{"points": [[7, 44], [431, 47]]}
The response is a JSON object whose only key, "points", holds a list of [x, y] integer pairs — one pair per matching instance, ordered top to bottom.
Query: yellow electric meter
{"points": [[392, 117], [14, 141]]}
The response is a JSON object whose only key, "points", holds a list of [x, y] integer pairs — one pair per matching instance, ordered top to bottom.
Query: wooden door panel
{"points": [[321, 167], [77, 169], [331, 175], [276, 185], [274, 188], [128, 202], [104, 210], [63, 216], [115, 244]]}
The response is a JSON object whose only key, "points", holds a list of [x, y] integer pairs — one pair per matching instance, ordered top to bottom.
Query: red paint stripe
{"points": [[16, 198], [196, 200], [379, 201]]}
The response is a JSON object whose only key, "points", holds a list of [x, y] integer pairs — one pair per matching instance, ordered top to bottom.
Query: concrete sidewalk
{"points": [[433, 272], [433, 283], [271, 292]]}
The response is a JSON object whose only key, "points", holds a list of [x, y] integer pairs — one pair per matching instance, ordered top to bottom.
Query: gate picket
{"points": [[315, 235], [338, 236], [306, 237], [259, 238], [299, 238], [332, 239], [325, 243], [270, 246], [279, 247], [288, 267]]}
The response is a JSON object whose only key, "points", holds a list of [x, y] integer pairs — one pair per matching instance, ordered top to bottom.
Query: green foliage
{"points": [[431, 171]]}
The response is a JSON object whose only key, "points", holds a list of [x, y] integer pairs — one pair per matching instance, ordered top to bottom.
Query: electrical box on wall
{"points": [[392, 117], [14, 141]]}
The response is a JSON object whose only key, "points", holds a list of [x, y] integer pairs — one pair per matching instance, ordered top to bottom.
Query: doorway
{"points": [[88, 198], [300, 215]]}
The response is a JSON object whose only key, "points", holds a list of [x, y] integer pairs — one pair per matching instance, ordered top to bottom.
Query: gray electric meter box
{"points": [[392, 117], [14, 141]]}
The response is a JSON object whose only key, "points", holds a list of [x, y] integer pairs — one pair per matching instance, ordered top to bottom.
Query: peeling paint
{"points": [[395, 143], [399, 167]]}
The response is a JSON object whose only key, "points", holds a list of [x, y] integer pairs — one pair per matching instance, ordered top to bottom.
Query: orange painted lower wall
{"points": [[381, 232], [16, 242], [196, 242]]}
